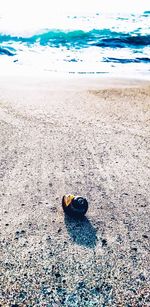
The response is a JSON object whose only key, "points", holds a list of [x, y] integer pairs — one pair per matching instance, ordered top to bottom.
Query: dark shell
{"points": [[77, 208]]}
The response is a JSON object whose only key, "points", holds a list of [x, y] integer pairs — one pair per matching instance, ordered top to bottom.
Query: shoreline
{"points": [[67, 81], [84, 136]]}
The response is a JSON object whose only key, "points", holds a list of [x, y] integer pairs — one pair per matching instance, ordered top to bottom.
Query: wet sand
{"points": [[83, 136]]}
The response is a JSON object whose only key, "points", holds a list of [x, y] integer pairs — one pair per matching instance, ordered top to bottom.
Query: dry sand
{"points": [[87, 137]]}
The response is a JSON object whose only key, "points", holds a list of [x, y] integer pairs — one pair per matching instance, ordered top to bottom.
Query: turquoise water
{"points": [[93, 43]]}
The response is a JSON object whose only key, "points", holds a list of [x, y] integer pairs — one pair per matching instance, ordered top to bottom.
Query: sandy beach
{"points": [[89, 137]]}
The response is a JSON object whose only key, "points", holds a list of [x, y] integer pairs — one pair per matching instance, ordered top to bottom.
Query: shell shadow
{"points": [[81, 231]]}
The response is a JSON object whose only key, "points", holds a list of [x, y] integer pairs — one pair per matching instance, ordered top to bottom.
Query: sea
{"points": [[88, 43]]}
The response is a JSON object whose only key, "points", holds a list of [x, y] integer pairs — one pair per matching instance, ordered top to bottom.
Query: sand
{"points": [[89, 137]]}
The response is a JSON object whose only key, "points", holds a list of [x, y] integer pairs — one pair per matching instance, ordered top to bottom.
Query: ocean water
{"points": [[92, 43]]}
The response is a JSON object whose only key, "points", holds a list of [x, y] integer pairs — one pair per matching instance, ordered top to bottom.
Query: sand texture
{"points": [[90, 138]]}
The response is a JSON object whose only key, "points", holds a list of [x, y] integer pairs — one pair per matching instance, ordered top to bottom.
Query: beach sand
{"points": [[89, 137]]}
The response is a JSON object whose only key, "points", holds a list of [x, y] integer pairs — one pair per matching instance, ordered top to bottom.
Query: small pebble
{"points": [[23, 232], [145, 236], [48, 238], [104, 242], [134, 249], [57, 275], [142, 277]]}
